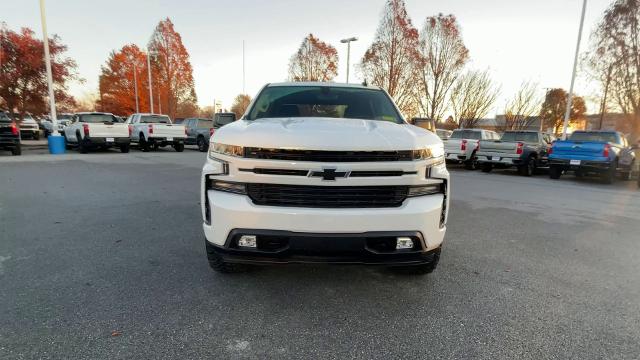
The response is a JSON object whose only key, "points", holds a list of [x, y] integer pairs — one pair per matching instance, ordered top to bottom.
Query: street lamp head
{"points": [[344, 41]]}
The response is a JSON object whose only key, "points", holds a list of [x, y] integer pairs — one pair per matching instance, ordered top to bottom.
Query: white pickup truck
{"points": [[89, 130], [154, 131], [462, 145], [324, 172]]}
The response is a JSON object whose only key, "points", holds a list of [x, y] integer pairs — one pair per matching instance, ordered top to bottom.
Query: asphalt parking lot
{"points": [[102, 256]]}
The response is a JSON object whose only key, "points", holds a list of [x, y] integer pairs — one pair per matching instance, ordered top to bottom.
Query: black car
{"points": [[9, 134]]}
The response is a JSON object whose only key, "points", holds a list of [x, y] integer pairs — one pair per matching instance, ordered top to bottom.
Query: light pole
{"points": [[348, 42], [149, 72], [135, 85], [567, 112], [55, 142]]}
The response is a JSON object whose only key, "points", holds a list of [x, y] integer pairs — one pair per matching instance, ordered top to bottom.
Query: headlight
{"points": [[231, 150], [433, 154]]}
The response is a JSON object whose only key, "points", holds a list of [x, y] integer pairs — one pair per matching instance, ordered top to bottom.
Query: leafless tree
{"points": [[616, 50], [442, 58], [390, 62], [472, 96], [519, 112]]}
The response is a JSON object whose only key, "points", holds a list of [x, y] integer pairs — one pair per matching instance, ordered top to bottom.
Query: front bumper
{"points": [[229, 212], [283, 247]]}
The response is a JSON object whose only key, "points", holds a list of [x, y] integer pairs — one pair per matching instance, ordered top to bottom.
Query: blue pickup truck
{"points": [[605, 153]]}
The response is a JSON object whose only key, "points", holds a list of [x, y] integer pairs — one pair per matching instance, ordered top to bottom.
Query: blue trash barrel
{"points": [[56, 144]]}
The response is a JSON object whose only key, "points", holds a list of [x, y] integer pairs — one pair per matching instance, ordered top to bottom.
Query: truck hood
{"points": [[331, 134]]}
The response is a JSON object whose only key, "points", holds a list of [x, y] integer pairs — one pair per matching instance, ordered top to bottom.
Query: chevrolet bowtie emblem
{"points": [[329, 174]]}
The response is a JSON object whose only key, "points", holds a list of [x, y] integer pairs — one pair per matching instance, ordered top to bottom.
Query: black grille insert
{"points": [[328, 156], [327, 196]]}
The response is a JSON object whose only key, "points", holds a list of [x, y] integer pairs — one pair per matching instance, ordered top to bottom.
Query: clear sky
{"points": [[516, 40]]}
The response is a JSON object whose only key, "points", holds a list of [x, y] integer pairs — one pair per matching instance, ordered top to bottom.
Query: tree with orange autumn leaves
{"points": [[315, 60], [171, 76], [23, 81], [117, 82]]}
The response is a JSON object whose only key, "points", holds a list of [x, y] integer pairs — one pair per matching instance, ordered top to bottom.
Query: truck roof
{"points": [[324, 84]]}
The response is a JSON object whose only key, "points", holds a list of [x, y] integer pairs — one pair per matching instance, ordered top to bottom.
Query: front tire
{"points": [[179, 147], [125, 148], [16, 151], [487, 167], [555, 172], [217, 263], [421, 269]]}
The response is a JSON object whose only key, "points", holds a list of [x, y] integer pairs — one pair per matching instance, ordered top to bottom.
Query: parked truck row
{"points": [[606, 154]]}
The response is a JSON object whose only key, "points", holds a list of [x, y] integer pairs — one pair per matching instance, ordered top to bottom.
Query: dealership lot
{"points": [[102, 255]]}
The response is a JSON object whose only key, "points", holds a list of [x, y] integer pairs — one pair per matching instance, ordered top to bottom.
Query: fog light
{"points": [[248, 241], [403, 243]]}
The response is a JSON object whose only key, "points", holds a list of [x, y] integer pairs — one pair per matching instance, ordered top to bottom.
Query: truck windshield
{"points": [[324, 101], [4, 117], [97, 118], [155, 119], [465, 134], [520, 136], [595, 136]]}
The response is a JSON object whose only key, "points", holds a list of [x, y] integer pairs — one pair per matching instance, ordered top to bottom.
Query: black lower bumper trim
{"points": [[100, 141], [593, 166], [284, 247]]}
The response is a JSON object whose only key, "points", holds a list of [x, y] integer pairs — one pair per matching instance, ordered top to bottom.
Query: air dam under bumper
{"points": [[231, 212], [282, 247]]}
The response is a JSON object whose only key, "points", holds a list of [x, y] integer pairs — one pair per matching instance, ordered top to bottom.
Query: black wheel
{"points": [[36, 135], [143, 144], [202, 144], [155, 146], [82, 147], [179, 147], [125, 148], [16, 151], [472, 163], [487, 167], [528, 168], [555, 172], [579, 173], [609, 176], [218, 264], [421, 269]]}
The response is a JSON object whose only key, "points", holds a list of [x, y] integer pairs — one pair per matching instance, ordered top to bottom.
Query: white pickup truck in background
{"points": [[90, 130], [154, 131], [462, 145]]}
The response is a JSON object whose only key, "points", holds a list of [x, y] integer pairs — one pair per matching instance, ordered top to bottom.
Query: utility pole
{"points": [[348, 42], [47, 61], [243, 68], [150, 83], [135, 85], [159, 103], [567, 112]]}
